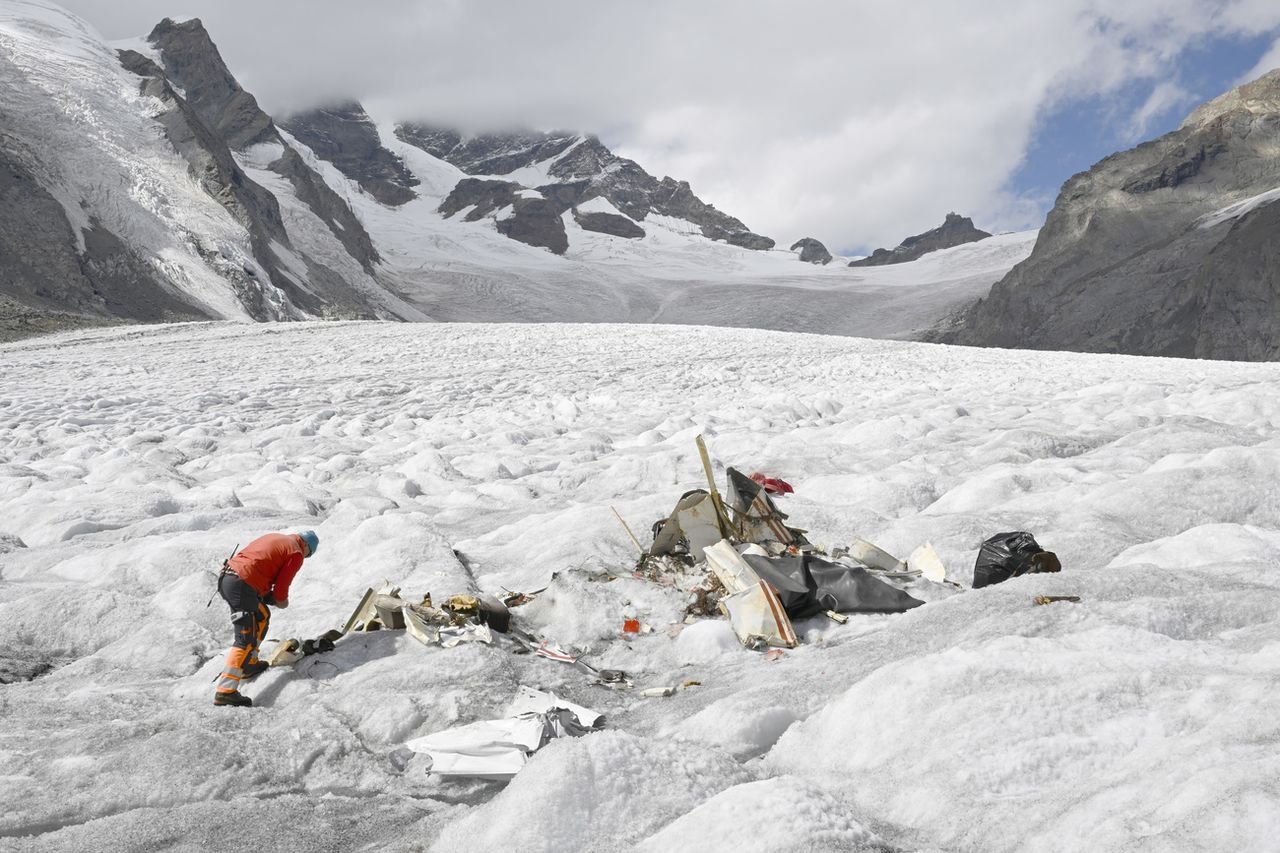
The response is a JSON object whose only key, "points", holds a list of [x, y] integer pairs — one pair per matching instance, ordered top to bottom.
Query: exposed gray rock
{"points": [[192, 62], [344, 135], [436, 141], [487, 154], [212, 166], [584, 168], [486, 196], [675, 198], [332, 209], [537, 222], [608, 223], [955, 230], [747, 240], [812, 251], [1130, 260], [1237, 289], [10, 543]]}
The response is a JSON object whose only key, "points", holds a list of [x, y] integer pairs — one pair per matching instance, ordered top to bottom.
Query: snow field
{"points": [[449, 458]]}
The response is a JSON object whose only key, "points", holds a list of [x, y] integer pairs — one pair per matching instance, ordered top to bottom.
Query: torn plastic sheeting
{"points": [[1008, 555], [790, 580], [808, 585], [855, 590], [489, 749], [498, 749]]}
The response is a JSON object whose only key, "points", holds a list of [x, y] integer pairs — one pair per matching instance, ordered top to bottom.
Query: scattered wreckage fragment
{"points": [[499, 749]]}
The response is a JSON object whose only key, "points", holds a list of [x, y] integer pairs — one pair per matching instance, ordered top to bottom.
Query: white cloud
{"points": [[1269, 62], [1163, 98], [852, 121]]}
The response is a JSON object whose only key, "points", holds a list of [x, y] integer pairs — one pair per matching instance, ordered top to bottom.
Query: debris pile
{"points": [[735, 555], [761, 573]]}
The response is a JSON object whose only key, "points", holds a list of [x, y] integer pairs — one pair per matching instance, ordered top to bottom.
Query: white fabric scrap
{"points": [[498, 749]]}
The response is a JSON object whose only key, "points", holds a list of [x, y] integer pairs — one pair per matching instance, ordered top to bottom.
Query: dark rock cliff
{"points": [[192, 62], [344, 135], [955, 230], [812, 251], [1136, 257]]}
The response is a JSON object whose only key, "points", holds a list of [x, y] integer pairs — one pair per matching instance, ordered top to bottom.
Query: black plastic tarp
{"points": [[807, 585]]}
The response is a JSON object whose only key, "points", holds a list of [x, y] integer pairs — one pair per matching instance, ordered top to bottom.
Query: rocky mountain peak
{"points": [[193, 63], [1259, 97], [344, 135], [487, 153], [579, 167], [955, 230], [1164, 249]]}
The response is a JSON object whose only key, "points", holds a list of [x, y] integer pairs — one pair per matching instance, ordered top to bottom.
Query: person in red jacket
{"points": [[256, 578]]}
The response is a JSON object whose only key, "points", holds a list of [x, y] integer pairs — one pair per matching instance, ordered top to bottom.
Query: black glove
{"points": [[269, 600]]}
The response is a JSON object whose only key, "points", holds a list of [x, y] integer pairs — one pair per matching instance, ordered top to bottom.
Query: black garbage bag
{"points": [[1007, 555]]}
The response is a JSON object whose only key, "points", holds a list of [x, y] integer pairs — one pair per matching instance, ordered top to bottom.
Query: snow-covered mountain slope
{"points": [[78, 132], [143, 183], [123, 200], [464, 271], [1139, 719]]}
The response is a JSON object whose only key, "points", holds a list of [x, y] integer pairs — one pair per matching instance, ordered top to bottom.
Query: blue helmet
{"points": [[310, 539]]}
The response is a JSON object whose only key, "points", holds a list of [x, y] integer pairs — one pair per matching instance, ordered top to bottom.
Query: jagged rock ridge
{"points": [[193, 63], [344, 135], [582, 168], [955, 230], [1142, 254]]}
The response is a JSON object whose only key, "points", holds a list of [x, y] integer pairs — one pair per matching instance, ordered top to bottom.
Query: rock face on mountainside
{"points": [[193, 64], [344, 135], [214, 169], [579, 169], [535, 221], [608, 223], [956, 230], [1166, 249], [812, 251], [46, 283]]}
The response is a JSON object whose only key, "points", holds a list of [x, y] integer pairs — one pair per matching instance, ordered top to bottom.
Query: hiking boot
{"points": [[256, 668], [233, 698]]}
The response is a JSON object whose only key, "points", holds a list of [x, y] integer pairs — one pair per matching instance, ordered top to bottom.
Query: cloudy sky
{"points": [[854, 121]]}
